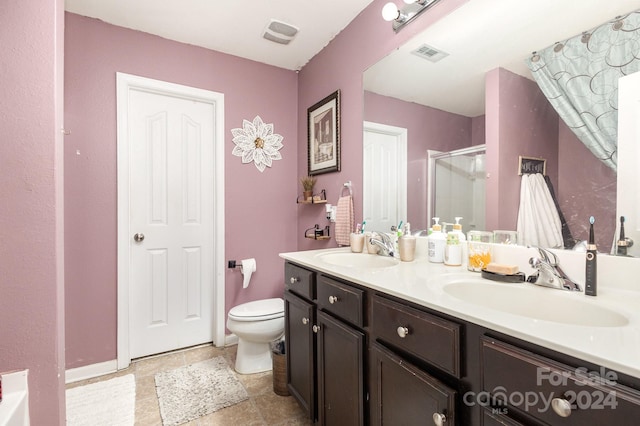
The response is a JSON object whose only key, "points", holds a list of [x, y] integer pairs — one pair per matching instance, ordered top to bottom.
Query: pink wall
{"points": [[340, 66], [519, 121], [427, 128], [586, 187], [260, 208], [31, 233]]}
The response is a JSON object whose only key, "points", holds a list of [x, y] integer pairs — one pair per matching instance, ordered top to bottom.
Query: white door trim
{"points": [[126, 83], [401, 135]]}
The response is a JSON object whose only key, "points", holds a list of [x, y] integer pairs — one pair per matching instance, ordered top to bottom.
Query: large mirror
{"points": [[455, 83]]}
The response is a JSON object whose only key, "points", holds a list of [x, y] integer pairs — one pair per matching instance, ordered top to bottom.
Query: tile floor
{"points": [[262, 408]]}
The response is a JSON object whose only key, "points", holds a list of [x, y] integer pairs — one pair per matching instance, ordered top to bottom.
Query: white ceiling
{"points": [[232, 26], [480, 36]]}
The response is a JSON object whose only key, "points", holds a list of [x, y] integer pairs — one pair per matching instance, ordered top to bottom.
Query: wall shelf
{"points": [[320, 198], [317, 233]]}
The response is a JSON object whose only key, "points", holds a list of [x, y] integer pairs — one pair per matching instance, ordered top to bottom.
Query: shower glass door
{"points": [[456, 187]]}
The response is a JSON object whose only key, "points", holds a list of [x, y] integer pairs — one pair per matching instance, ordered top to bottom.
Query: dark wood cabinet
{"points": [[300, 347], [325, 347], [358, 356], [340, 372], [403, 394]]}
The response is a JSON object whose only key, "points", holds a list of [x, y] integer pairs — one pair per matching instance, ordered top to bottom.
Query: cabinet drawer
{"points": [[300, 281], [341, 299], [430, 338], [555, 393]]}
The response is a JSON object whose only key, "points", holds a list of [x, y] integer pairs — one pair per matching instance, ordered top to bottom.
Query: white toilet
{"points": [[256, 324]]}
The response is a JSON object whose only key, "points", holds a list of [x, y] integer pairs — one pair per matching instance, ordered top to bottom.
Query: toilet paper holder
{"points": [[233, 264]]}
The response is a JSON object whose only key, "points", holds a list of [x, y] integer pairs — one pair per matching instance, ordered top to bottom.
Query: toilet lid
{"points": [[258, 309]]}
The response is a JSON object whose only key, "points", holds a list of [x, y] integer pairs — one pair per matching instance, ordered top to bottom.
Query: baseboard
{"points": [[230, 340], [89, 371]]}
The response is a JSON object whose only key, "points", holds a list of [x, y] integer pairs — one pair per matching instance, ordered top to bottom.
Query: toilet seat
{"points": [[259, 310]]}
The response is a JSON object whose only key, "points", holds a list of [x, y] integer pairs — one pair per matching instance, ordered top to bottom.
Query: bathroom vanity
{"points": [[371, 340]]}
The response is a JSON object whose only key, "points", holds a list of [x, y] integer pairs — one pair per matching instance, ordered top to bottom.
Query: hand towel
{"points": [[344, 220]]}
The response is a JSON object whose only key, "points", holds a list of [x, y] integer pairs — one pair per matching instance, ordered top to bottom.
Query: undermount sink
{"points": [[358, 260], [536, 302]]}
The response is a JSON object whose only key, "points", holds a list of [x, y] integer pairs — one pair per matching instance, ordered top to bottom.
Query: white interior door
{"points": [[384, 183], [171, 206], [168, 258]]}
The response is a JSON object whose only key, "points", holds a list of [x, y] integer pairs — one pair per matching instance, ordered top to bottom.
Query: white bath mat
{"points": [[196, 390], [108, 403]]}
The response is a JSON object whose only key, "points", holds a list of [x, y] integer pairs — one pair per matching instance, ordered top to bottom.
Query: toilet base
{"points": [[253, 357]]}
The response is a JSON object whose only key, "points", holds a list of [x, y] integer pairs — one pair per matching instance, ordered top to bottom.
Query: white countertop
{"points": [[423, 283]]}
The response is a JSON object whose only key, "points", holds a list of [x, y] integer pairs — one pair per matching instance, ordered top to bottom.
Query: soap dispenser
{"points": [[457, 229], [462, 239], [436, 242], [407, 245]]}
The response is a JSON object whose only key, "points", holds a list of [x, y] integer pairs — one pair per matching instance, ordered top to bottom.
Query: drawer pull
{"points": [[293, 280], [333, 299], [305, 321], [316, 328], [403, 332], [561, 406], [439, 419]]}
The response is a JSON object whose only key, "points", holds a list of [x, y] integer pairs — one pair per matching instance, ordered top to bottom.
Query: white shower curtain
{"points": [[538, 219]]}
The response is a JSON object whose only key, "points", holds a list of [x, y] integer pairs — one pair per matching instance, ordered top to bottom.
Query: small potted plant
{"points": [[308, 182]]}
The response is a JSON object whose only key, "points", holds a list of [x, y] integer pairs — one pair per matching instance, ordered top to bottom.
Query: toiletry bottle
{"points": [[457, 229], [436, 242], [407, 245], [453, 250], [591, 265]]}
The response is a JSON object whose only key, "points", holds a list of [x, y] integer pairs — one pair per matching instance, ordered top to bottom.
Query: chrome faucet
{"points": [[384, 242], [549, 273]]}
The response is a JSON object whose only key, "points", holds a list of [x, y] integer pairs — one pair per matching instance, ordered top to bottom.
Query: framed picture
{"points": [[323, 145]]}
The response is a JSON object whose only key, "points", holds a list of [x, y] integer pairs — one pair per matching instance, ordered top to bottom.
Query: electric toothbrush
{"points": [[591, 271]]}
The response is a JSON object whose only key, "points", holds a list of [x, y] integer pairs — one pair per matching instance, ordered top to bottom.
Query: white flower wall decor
{"points": [[256, 142]]}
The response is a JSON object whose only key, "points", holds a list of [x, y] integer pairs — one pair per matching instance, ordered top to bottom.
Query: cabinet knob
{"points": [[293, 280], [333, 299], [305, 321], [316, 328], [403, 332], [561, 406], [439, 419]]}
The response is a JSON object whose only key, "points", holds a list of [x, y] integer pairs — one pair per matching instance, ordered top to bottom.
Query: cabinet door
{"points": [[300, 351], [340, 372], [402, 394]]}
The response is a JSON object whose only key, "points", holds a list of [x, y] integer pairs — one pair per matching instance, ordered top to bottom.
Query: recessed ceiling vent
{"points": [[280, 32], [429, 53]]}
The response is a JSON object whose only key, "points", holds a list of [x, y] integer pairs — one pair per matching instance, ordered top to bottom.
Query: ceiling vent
{"points": [[280, 32], [429, 53]]}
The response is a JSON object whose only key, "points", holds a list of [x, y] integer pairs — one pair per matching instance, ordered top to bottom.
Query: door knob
{"points": [[139, 237]]}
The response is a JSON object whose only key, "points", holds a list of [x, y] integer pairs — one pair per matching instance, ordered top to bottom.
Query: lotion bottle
{"points": [[436, 242], [407, 245]]}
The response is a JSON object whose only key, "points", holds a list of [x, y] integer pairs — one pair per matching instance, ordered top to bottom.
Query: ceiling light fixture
{"points": [[401, 17]]}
